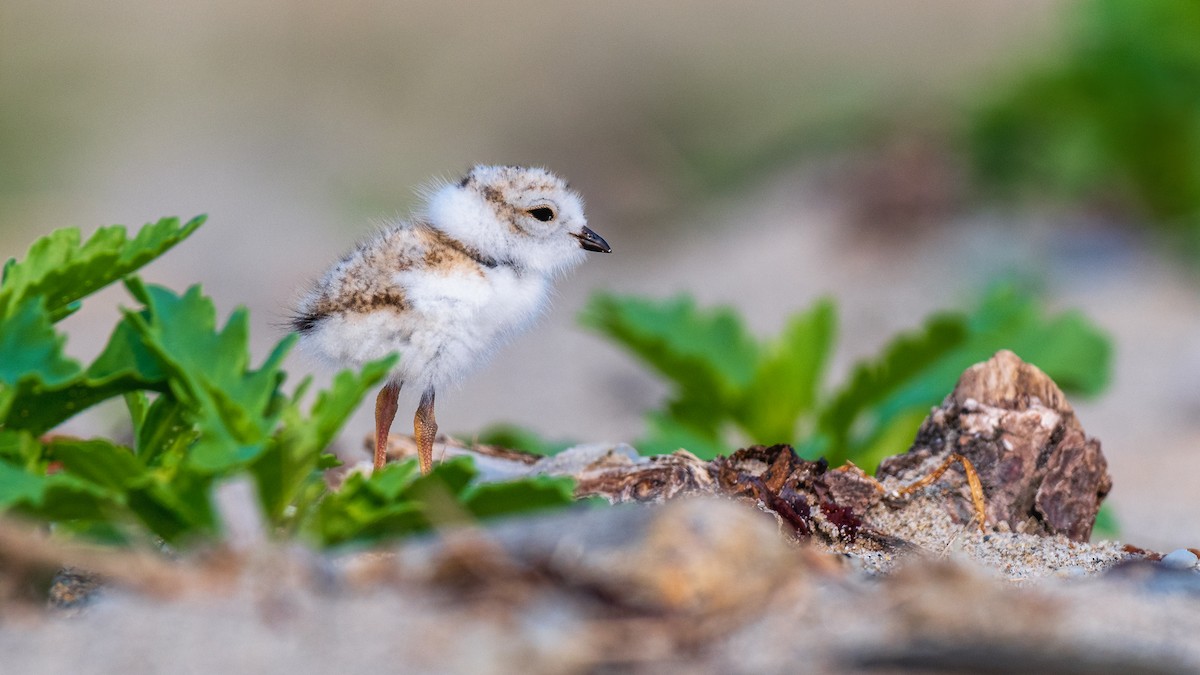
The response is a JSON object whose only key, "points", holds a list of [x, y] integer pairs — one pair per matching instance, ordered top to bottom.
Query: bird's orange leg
{"points": [[385, 412], [425, 429]]}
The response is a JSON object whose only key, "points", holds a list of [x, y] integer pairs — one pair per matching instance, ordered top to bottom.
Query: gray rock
{"points": [[1180, 559]]}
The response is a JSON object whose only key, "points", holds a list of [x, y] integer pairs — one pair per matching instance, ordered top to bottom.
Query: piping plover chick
{"points": [[448, 287]]}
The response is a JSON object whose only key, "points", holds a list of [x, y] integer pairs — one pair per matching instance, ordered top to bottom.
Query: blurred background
{"points": [[899, 156]]}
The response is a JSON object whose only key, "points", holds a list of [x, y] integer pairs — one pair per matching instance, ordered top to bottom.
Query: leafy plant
{"points": [[1117, 114], [774, 391], [200, 413], [398, 500]]}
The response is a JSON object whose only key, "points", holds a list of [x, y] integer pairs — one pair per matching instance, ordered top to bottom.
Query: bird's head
{"points": [[527, 216]]}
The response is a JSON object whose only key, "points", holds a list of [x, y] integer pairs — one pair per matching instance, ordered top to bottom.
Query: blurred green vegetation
{"points": [[1115, 119], [724, 380]]}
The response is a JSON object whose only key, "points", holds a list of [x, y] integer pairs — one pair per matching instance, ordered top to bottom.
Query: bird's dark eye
{"points": [[542, 213]]}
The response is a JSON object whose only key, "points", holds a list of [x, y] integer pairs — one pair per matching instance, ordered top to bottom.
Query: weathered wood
{"points": [[1041, 472]]}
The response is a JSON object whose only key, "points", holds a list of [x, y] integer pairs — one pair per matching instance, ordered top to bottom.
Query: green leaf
{"points": [[60, 270], [1072, 351], [707, 355], [31, 356], [125, 366], [917, 371], [890, 376], [788, 378], [137, 403], [335, 405], [233, 407], [874, 414], [164, 432], [889, 435], [21, 448], [293, 458], [99, 461], [448, 479], [390, 482], [19, 487], [54, 497], [181, 500], [489, 500], [397, 501], [386, 504], [164, 512], [1107, 525]]}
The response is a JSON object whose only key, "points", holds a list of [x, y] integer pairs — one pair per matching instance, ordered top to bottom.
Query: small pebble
{"points": [[1180, 559], [1071, 572]]}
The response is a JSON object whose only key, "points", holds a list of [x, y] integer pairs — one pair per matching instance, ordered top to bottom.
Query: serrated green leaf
{"points": [[61, 270], [31, 349], [707, 355], [204, 362], [124, 366], [335, 405], [233, 407], [212, 415], [867, 418], [184, 497]]}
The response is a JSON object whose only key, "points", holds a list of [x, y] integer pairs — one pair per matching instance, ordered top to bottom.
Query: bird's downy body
{"points": [[448, 287], [408, 291]]}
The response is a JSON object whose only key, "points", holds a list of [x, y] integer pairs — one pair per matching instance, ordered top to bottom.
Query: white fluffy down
{"points": [[454, 318], [455, 325]]}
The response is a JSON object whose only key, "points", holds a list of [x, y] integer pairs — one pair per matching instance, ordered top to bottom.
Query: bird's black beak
{"points": [[590, 241]]}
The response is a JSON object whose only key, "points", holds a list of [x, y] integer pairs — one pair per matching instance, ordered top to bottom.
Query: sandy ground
{"points": [[696, 585]]}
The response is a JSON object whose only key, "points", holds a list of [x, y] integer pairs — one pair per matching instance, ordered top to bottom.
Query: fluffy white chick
{"points": [[446, 289]]}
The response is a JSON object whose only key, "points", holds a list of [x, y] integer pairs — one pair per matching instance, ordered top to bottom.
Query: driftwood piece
{"points": [[1041, 473], [807, 496]]}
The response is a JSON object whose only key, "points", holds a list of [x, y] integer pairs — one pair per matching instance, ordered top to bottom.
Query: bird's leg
{"points": [[385, 412], [425, 429]]}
